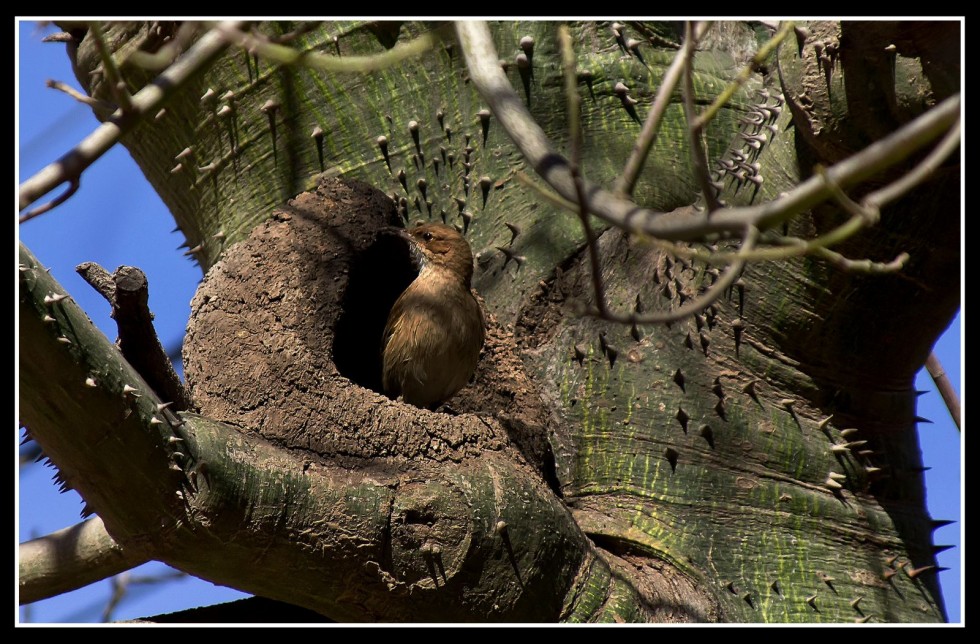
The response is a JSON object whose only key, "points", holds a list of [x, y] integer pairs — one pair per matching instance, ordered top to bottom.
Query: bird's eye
{"points": [[427, 236]]}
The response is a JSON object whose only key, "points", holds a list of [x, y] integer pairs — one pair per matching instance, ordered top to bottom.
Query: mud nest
{"points": [[284, 340]]}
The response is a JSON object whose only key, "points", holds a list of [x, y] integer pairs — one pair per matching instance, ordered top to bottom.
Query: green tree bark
{"points": [[757, 462]]}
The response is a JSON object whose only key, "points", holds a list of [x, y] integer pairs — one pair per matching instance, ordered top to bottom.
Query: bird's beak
{"points": [[397, 232], [414, 251]]}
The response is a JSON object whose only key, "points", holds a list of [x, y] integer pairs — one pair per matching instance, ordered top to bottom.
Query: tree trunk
{"points": [[755, 462]]}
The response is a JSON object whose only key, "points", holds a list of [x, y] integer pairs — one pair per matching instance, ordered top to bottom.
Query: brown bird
{"points": [[435, 330]]}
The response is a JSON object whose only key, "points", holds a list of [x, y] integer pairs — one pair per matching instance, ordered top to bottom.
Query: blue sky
{"points": [[116, 218]]}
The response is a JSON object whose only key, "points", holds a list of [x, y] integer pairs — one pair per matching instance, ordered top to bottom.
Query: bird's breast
{"points": [[432, 340]]}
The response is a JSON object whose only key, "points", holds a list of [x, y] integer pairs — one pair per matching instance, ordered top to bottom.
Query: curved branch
{"points": [[349, 64], [743, 76], [94, 103], [145, 103], [530, 139], [916, 176], [73, 184], [787, 246], [863, 265], [698, 304], [385, 545], [69, 559]]}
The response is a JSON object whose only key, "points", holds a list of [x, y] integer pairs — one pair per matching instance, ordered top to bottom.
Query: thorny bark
{"points": [[697, 458]]}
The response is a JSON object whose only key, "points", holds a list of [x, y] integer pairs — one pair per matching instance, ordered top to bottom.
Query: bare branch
{"points": [[303, 29], [60, 36], [164, 56], [315, 60], [744, 75], [81, 98], [573, 102], [146, 103], [527, 135], [575, 138], [644, 142], [699, 157], [875, 158], [914, 177], [75, 183], [548, 195], [863, 215], [870, 215], [787, 246], [862, 265], [98, 278], [127, 291], [698, 304], [945, 387], [70, 558]]}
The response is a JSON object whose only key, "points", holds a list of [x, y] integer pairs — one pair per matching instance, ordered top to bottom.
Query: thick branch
{"points": [[128, 293], [89, 408], [212, 501], [69, 559]]}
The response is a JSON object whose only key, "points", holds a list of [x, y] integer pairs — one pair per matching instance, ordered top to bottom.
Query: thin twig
{"points": [[303, 29], [166, 54], [315, 60], [744, 75], [113, 77], [492, 84], [572, 99], [94, 103], [146, 103], [644, 142], [575, 143], [699, 157], [870, 161], [918, 174], [73, 186], [553, 197], [869, 214], [863, 215], [788, 246], [862, 265], [698, 304], [945, 387], [120, 586]]}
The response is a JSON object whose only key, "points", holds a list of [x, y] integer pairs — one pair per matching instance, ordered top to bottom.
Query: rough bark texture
{"points": [[317, 281], [282, 303], [695, 456]]}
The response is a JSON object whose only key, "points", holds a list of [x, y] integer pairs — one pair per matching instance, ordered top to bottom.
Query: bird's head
{"points": [[440, 246]]}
